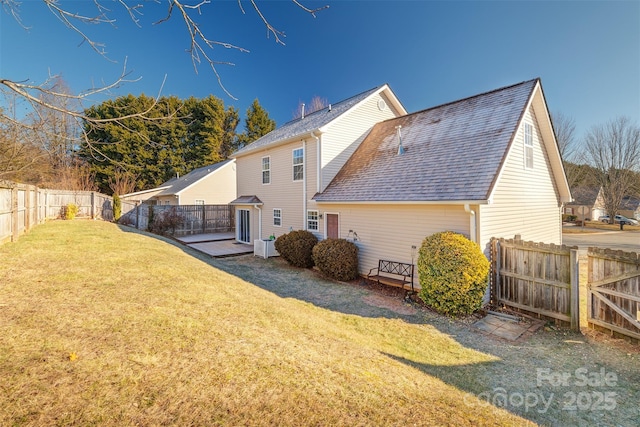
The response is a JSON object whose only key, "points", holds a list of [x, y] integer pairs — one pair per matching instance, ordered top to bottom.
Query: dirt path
{"points": [[553, 377]]}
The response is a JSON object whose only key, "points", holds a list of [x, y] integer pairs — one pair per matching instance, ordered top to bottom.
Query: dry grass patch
{"points": [[104, 326]]}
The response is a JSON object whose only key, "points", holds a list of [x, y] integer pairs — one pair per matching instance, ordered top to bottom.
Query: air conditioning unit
{"points": [[264, 248]]}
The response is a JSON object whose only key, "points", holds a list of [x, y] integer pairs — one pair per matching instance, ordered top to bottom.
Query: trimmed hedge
{"points": [[296, 247], [337, 258], [453, 273]]}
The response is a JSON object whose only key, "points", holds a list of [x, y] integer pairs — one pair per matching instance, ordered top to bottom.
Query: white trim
{"points": [[527, 145], [293, 165], [263, 170], [405, 202], [279, 217], [317, 220], [325, 222]]}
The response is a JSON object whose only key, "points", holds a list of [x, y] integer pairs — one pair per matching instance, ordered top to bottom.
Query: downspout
{"points": [[319, 162], [304, 184], [259, 221], [473, 229]]}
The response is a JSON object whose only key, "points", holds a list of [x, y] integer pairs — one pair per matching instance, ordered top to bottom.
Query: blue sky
{"points": [[587, 53]]}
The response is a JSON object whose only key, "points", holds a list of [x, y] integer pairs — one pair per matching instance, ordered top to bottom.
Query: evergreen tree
{"points": [[256, 124]]}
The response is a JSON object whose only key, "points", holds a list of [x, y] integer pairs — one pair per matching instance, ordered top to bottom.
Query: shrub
{"points": [[117, 207], [70, 211], [164, 222], [296, 247], [336, 258], [453, 273]]}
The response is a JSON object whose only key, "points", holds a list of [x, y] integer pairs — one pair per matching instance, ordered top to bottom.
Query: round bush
{"points": [[296, 247], [337, 258], [453, 273]]}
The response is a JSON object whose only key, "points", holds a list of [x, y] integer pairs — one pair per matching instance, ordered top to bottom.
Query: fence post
{"points": [[14, 213], [204, 219], [575, 289]]}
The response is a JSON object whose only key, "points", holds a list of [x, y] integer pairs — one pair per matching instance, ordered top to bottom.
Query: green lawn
{"points": [[106, 326]]}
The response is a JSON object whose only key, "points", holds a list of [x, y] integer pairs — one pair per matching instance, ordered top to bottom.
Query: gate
{"points": [[537, 278], [613, 291]]}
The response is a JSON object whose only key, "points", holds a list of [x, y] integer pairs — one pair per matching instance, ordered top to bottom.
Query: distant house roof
{"points": [[315, 121], [453, 152], [176, 185], [584, 196], [630, 203]]}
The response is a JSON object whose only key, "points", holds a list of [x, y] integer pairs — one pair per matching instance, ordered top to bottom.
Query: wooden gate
{"points": [[541, 279], [613, 297]]}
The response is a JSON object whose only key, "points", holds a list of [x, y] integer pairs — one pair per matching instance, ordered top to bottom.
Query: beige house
{"points": [[485, 166], [279, 174], [208, 185], [587, 204]]}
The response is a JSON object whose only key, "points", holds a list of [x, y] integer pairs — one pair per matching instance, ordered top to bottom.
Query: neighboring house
{"points": [[485, 166], [279, 173], [208, 185], [143, 195], [586, 205], [630, 207]]}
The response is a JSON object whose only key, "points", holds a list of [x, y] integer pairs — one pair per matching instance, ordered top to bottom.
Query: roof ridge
{"points": [[373, 89], [467, 98]]}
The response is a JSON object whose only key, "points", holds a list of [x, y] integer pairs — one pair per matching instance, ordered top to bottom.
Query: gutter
{"points": [[405, 202]]}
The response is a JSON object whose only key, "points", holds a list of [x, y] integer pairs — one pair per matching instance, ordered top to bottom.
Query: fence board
{"points": [[23, 206], [195, 219], [538, 278], [613, 298]]}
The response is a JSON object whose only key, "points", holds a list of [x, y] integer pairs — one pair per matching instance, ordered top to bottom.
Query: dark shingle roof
{"points": [[311, 122], [452, 152], [176, 185], [584, 196], [247, 200]]}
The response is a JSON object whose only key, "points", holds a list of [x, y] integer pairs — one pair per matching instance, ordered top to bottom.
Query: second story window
{"points": [[528, 146], [298, 164], [266, 170]]}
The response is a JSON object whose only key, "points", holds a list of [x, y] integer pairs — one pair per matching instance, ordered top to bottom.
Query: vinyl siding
{"points": [[347, 134], [218, 188], [283, 192], [525, 201], [387, 231]]}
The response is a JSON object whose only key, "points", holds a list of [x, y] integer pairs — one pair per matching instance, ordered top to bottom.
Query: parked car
{"points": [[619, 219]]}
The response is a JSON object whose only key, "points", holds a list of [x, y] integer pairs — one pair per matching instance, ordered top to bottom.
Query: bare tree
{"points": [[39, 95], [317, 103], [565, 129], [613, 150], [122, 182]]}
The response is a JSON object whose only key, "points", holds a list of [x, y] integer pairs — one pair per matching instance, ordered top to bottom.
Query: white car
{"points": [[619, 219]]}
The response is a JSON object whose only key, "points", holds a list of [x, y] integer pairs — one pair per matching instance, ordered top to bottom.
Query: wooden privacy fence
{"points": [[23, 206], [194, 219], [537, 278], [613, 291]]}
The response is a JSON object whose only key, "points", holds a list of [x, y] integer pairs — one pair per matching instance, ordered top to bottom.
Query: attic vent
{"points": [[382, 105], [400, 147]]}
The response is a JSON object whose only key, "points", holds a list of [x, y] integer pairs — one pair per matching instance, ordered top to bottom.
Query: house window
{"points": [[528, 146], [298, 164], [266, 170], [198, 202], [277, 217], [312, 220]]}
